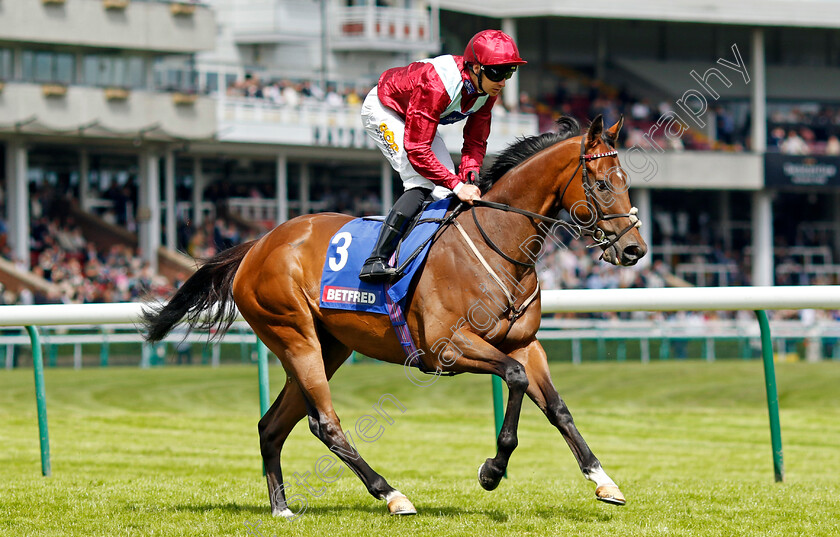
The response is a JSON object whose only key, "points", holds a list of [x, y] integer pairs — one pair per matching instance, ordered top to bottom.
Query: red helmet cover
{"points": [[492, 47]]}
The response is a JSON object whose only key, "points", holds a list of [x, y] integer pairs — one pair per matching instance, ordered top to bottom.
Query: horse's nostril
{"points": [[633, 252]]}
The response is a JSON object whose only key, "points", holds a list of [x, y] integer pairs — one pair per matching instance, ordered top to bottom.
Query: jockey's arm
{"points": [[421, 122], [476, 132]]}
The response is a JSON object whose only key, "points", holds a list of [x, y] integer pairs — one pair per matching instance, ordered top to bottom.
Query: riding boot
{"points": [[376, 268]]}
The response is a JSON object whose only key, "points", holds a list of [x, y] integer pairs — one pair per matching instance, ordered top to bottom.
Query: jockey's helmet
{"points": [[492, 47]]}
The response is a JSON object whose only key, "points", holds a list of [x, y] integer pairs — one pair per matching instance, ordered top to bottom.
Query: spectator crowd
{"points": [[808, 128], [77, 271]]}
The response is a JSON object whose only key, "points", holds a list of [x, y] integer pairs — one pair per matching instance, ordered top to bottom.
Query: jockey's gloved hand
{"points": [[468, 193]]}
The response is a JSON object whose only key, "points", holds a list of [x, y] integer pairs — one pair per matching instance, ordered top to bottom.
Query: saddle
{"points": [[349, 248]]}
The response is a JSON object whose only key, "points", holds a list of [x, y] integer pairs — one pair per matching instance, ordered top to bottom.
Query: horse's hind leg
{"points": [[299, 349], [542, 392], [277, 423], [275, 426]]}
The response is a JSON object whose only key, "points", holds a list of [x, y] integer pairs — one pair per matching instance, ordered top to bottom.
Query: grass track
{"points": [[174, 452]]}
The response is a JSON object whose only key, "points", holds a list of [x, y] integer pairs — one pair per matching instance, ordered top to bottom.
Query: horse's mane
{"points": [[524, 148]]}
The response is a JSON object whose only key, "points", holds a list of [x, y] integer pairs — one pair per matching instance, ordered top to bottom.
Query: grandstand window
{"points": [[635, 39], [689, 41], [564, 42], [800, 46], [6, 64], [48, 67], [112, 70], [175, 74], [136, 75], [230, 80], [211, 84]]}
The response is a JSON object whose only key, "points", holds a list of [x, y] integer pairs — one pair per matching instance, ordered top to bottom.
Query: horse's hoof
{"points": [[486, 481], [610, 494], [400, 505], [284, 513]]}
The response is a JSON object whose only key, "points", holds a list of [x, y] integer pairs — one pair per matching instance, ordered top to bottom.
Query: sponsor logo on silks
{"points": [[455, 117], [387, 136], [347, 295]]}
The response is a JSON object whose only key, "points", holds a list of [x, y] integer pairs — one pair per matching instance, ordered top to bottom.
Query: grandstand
{"points": [[156, 128]]}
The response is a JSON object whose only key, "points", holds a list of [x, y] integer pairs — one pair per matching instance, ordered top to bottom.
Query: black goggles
{"points": [[497, 73]]}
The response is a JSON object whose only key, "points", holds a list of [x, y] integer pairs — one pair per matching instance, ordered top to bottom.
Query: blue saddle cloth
{"points": [[341, 287]]}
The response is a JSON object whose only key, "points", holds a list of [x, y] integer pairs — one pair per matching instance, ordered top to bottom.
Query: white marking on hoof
{"points": [[600, 477], [606, 490], [610, 494], [398, 504], [285, 513]]}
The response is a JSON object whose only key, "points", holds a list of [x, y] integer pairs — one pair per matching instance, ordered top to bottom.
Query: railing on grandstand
{"points": [[301, 18], [389, 23], [319, 123], [265, 210], [795, 265]]}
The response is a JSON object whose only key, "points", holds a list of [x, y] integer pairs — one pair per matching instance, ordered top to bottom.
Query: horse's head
{"points": [[597, 197]]}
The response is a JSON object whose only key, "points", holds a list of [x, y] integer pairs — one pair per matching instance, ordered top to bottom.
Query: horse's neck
{"points": [[532, 186]]}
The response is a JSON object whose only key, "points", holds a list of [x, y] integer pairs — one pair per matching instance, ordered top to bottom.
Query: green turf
{"points": [[174, 451]]}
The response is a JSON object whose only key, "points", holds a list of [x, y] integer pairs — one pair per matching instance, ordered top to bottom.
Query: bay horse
{"points": [[275, 283]]}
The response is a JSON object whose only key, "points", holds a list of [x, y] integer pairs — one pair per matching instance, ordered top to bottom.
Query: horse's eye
{"points": [[601, 184]]}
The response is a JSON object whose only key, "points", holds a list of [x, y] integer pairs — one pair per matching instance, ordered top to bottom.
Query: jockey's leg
{"points": [[387, 129], [376, 268]]}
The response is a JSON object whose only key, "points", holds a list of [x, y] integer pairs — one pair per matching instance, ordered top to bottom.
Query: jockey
{"points": [[402, 114]]}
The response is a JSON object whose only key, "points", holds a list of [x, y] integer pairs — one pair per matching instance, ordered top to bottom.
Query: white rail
{"points": [[693, 299], [553, 301], [70, 314]]}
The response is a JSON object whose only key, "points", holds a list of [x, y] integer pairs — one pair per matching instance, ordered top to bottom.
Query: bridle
{"points": [[590, 230]]}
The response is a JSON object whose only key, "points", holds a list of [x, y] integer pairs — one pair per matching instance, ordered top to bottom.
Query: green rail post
{"points": [[664, 348], [621, 351], [104, 352], [52, 353], [262, 371], [772, 395], [40, 400], [498, 406]]}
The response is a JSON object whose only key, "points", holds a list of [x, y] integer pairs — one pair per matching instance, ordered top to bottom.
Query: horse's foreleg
{"points": [[481, 357], [541, 390], [491, 472]]}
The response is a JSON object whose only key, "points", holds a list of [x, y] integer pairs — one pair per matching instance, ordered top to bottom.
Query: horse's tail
{"points": [[211, 285]]}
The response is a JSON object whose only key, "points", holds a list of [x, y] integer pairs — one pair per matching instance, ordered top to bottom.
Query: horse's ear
{"points": [[596, 128], [612, 132]]}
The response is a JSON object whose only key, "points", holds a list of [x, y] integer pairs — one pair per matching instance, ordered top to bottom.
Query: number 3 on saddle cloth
{"points": [[341, 287]]}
